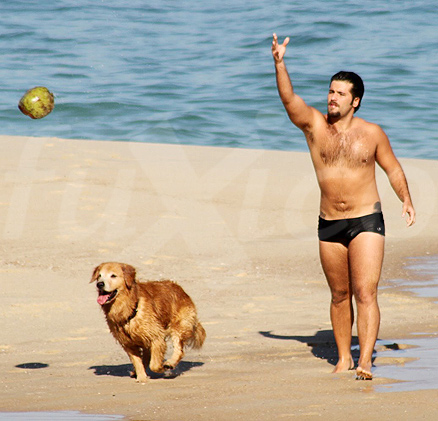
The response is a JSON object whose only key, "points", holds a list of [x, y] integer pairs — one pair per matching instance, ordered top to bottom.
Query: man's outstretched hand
{"points": [[278, 50]]}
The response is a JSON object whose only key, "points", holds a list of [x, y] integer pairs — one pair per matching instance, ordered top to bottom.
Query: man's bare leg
{"points": [[365, 258], [334, 261]]}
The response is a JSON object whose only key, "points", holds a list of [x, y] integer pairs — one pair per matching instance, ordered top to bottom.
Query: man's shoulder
{"points": [[370, 127]]}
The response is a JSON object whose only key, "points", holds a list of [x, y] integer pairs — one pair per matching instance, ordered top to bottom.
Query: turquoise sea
{"points": [[201, 73]]}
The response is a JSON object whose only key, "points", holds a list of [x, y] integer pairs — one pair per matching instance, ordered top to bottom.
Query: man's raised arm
{"points": [[298, 111]]}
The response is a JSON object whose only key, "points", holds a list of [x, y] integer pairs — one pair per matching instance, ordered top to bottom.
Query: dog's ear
{"points": [[95, 273], [129, 275]]}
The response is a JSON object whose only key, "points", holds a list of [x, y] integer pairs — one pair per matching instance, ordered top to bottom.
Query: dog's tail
{"points": [[199, 335]]}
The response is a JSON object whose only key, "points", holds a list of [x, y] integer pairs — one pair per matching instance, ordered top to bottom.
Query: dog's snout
{"points": [[100, 285]]}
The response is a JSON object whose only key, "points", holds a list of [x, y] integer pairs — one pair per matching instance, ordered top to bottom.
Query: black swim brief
{"points": [[344, 230]]}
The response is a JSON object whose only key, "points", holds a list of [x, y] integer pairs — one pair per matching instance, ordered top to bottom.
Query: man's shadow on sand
{"points": [[322, 344], [124, 370]]}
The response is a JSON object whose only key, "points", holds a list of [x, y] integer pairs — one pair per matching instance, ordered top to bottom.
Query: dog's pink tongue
{"points": [[102, 299]]}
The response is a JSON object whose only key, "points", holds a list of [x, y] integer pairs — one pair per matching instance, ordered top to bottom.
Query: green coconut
{"points": [[37, 102]]}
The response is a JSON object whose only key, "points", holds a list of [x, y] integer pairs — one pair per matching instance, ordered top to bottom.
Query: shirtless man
{"points": [[344, 150]]}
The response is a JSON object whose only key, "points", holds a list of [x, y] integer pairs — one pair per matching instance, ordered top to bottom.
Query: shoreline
{"points": [[237, 229]]}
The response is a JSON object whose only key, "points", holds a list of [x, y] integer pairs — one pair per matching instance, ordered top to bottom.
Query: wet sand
{"points": [[237, 229]]}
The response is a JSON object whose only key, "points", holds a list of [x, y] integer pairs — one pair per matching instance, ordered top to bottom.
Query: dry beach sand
{"points": [[237, 229]]}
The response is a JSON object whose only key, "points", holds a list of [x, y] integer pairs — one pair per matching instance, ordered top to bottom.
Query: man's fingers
{"points": [[275, 40], [278, 50], [410, 220]]}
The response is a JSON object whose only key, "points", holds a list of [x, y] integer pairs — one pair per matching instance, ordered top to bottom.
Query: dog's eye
{"points": [[113, 276]]}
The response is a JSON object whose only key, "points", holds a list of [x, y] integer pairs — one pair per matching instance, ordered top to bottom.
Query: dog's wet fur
{"points": [[142, 315]]}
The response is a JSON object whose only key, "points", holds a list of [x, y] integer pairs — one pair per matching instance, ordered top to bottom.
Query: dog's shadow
{"points": [[322, 344], [125, 370]]}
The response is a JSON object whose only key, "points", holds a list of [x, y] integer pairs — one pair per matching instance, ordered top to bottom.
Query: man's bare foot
{"points": [[344, 365], [362, 374]]}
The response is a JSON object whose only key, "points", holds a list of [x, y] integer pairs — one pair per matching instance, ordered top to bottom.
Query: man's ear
{"points": [[356, 102]]}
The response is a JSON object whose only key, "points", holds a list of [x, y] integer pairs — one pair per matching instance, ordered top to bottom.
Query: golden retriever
{"points": [[142, 315]]}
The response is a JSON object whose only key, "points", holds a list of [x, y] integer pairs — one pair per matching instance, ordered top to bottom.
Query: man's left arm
{"points": [[388, 162]]}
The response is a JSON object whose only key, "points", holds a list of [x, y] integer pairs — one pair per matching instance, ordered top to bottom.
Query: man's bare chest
{"points": [[350, 149]]}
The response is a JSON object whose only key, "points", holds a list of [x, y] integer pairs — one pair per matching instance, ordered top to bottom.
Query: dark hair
{"points": [[358, 88]]}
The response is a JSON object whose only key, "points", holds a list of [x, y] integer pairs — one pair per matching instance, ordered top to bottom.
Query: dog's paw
{"points": [[168, 366], [157, 368], [141, 379]]}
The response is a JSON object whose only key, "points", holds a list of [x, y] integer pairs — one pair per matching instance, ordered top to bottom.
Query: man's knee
{"points": [[340, 296], [365, 296]]}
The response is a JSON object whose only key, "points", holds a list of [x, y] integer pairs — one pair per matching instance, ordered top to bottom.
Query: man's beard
{"points": [[333, 114]]}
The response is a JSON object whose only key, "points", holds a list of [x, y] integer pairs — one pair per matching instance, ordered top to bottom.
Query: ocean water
{"points": [[201, 73], [417, 367]]}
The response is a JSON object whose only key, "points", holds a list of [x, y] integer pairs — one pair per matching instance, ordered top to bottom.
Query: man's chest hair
{"points": [[351, 149]]}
